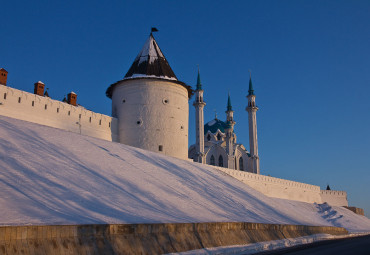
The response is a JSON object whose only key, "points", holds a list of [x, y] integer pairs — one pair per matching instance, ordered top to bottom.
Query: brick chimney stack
{"points": [[3, 76], [39, 88], [72, 98]]}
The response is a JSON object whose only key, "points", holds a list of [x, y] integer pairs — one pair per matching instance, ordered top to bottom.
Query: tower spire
{"points": [[199, 84], [250, 90], [229, 107]]}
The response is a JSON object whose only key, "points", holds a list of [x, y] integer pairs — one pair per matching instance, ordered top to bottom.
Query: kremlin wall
{"points": [[41, 109]]}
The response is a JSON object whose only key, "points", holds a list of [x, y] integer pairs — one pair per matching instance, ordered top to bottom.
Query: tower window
{"points": [[4, 95], [19, 99], [123, 100], [165, 101], [33, 103], [46, 106], [57, 109], [69, 113], [79, 116], [90, 119], [99, 122], [138, 122], [109, 124], [182, 127], [209, 137], [160, 147], [212, 161], [220, 161], [241, 164]]}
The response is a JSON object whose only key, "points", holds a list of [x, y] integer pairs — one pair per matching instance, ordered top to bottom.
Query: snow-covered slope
{"points": [[50, 176]]}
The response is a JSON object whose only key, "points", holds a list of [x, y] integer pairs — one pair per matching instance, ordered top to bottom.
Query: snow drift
{"points": [[50, 176]]}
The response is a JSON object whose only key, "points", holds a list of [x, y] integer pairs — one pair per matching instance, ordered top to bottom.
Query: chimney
{"points": [[3, 76], [39, 88], [72, 98]]}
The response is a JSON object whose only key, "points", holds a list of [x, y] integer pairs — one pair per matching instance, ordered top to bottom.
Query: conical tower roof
{"points": [[151, 62]]}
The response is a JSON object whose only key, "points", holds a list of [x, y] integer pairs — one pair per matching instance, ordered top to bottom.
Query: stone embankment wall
{"points": [[26, 106], [280, 188], [144, 238]]}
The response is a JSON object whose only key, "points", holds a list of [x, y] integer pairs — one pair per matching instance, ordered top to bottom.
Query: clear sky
{"points": [[310, 63]]}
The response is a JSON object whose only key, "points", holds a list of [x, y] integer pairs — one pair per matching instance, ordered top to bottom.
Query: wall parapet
{"points": [[42, 110]]}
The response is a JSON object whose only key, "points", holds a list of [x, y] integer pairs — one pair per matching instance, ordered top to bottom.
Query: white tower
{"points": [[151, 105], [252, 109], [199, 122], [230, 134]]}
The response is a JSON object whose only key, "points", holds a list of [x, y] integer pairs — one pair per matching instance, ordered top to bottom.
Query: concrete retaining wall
{"points": [[144, 238]]}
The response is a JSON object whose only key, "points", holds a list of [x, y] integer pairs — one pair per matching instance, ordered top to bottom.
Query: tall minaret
{"points": [[199, 122], [230, 134], [253, 144]]}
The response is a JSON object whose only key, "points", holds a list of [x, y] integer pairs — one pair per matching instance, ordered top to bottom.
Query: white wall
{"points": [[45, 111], [152, 113], [285, 189], [334, 197]]}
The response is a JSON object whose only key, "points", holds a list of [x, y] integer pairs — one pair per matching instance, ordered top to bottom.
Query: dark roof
{"points": [[150, 63], [4, 70], [215, 125]]}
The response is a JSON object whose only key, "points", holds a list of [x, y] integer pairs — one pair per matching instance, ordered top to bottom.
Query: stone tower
{"points": [[151, 105], [199, 122], [230, 133], [253, 144]]}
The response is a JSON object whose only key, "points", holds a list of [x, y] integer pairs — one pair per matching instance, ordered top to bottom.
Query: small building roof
{"points": [[2, 69]]}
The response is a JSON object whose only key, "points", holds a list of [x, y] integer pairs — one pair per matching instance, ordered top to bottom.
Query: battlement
{"points": [[43, 110]]}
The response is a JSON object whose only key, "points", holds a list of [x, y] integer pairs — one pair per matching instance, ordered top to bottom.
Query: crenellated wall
{"points": [[26, 106], [285, 189], [334, 197]]}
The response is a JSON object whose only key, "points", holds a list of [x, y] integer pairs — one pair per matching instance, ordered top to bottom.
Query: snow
{"points": [[150, 50], [150, 76], [211, 122], [51, 176], [264, 246]]}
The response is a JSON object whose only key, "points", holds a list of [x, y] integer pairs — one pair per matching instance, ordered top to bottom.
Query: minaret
{"points": [[199, 122], [230, 134], [253, 144]]}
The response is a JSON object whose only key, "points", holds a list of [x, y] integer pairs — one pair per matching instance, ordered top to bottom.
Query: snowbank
{"points": [[50, 176]]}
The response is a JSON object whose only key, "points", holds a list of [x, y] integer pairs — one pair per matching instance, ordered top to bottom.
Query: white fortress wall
{"points": [[26, 106], [334, 197]]}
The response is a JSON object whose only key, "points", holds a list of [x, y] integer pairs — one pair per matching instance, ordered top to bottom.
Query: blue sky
{"points": [[310, 63]]}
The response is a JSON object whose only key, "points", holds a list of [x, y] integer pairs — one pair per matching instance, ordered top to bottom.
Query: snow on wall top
{"points": [[151, 62], [50, 176]]}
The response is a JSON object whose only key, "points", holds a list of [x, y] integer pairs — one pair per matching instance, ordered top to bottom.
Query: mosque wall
{"points": [[42, 110]]}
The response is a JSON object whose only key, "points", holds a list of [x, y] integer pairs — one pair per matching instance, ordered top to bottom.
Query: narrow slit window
{"points": [[4, 95], [19, 99], [33, 103], [46, 106], [57, 109], [69, 113], [90, 119], [99, 122], [109, 124], [160, 147]]}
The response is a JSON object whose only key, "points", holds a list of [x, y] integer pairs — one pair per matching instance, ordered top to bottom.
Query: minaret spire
{"points": [[252, 119], [199, 122], [230, 133]]}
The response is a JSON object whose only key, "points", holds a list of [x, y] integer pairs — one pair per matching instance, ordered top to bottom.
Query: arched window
{"points": [[208, 137], [219, 137], [212, 160], [220, 161], [241, 164]]}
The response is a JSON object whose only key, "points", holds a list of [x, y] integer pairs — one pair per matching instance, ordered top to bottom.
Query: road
{"points": [[347, 246]]}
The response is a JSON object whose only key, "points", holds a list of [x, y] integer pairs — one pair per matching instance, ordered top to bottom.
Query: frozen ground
{"points": [[50, 176]]}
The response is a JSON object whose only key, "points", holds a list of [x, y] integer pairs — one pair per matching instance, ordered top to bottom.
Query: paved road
{"points": [[348, 246]]}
